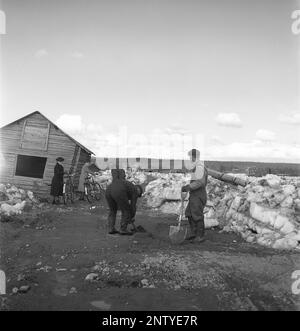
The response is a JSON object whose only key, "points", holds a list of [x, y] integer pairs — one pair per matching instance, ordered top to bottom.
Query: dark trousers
{"points": [[118, 203], [195, 214], [197, 227]]}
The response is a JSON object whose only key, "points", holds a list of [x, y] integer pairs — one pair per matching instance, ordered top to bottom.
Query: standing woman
{"points": [[84, 172], [57, 183]]}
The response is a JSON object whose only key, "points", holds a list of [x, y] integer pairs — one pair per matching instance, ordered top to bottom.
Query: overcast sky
{"points": [[224, 72]]}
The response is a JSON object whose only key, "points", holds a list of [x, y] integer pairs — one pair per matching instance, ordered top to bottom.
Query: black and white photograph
{"points": [[149, 158]]}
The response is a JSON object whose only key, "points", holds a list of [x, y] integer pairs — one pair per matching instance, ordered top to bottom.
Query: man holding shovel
{"points": [[198, 197]]}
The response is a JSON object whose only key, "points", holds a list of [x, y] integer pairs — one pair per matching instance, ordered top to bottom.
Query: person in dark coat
{"points": [[57, 183], [121, 195], [198, 197]]}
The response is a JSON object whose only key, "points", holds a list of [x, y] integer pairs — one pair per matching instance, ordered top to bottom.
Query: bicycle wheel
{"points": [[97, 191], [72, 193], [88, 193], [64, 194], [67, 194], [66, 198]]}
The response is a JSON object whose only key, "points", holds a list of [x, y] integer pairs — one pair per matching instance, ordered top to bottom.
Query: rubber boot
{"points": [[125, 221], [111, 223], [132, 227], [200, 228], [124, 231]]}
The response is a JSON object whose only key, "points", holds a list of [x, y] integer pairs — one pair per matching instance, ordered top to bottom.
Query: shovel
{"points": [[177, 233]]}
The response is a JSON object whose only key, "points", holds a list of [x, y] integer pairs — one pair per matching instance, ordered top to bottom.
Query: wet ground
{"points": [[52, 251]]}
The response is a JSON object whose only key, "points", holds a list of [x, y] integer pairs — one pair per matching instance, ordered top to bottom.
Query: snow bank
{"points": [[134, 176], [164, 194], [14, 200], [266, 211]]}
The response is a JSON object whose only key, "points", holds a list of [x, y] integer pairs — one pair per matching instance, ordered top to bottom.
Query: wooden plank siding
{"points": [[58, 144]]}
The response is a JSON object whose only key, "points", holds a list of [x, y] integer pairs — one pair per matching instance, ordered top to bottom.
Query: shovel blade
{"points": [[177, 234]]}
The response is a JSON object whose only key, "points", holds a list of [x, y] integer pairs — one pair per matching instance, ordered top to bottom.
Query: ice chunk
{"points": [[273, 181], [288, 189], [287, 202], [210, 222], [285, 243]]}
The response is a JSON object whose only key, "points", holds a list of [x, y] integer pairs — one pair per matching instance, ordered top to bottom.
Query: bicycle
{"points": [[68, 188], [93, 190]]}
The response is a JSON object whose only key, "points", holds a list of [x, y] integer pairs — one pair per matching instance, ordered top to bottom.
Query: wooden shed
{"points": [[30, 146]]}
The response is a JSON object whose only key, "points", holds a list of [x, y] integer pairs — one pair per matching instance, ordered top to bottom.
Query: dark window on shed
{"points": [[138, 159], [30, 166]]}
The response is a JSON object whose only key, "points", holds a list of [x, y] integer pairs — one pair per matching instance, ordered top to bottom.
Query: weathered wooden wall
{"points": [[58, 145]]}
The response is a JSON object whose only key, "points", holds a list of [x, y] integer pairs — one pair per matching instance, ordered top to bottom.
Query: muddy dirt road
{"points": [[53, 251]]}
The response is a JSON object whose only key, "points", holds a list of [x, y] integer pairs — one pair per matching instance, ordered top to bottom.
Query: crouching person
{"points": [[121, 195], [197, 198]]}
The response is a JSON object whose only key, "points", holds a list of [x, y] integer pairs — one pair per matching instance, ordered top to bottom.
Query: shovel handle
{"points": [[181, 210]]}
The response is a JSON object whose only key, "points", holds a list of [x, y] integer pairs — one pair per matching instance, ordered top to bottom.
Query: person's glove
{"points": [[185, 188], [184, 195]]}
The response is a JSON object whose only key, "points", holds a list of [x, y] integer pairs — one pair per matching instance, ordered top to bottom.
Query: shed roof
{"points": [[37, 112]]}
